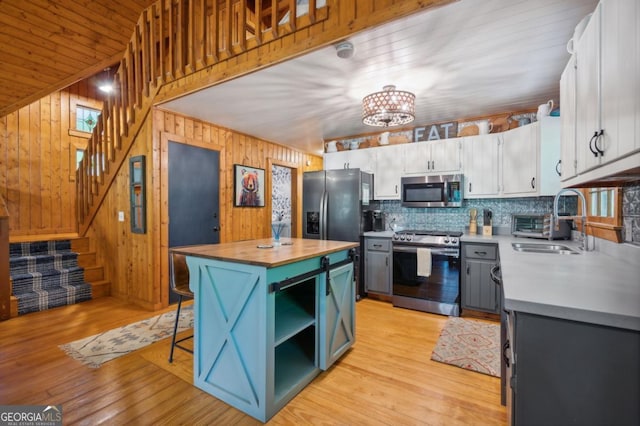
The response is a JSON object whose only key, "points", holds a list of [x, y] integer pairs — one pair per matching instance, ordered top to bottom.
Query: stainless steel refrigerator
{"points": [[335, 206]]}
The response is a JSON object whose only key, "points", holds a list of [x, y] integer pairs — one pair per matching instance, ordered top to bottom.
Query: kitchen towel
{"points": [[424, 262]]}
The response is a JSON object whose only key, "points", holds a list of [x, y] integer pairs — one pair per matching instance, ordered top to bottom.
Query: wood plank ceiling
{"points": [[46, 45]]}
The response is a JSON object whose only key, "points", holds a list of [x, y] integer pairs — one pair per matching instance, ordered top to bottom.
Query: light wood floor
{"points": [[387, 378]]}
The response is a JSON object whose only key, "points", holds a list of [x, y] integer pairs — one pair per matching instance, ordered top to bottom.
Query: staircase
{"points": [[173, 39], [47, 274]]}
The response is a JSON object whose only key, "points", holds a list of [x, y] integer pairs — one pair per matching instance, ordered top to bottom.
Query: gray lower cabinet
{"points": [[378, 263], [479, 292], [563, 372]]}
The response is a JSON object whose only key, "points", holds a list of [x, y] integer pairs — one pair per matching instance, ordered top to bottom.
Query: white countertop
{"points": [[379, 234], [591, 287], [594, 287]]}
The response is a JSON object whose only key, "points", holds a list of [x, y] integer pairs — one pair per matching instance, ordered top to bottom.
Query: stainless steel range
{"points": [[439, 292]]}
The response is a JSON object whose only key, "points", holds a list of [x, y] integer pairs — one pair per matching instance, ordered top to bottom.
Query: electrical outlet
{"points": [[120, 216]]}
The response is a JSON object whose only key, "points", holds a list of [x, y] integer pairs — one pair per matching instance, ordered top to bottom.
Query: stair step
{"points": [[81, 245], [38, 247], [87, 259], [41, 262], [93, 273], [45, 280], [100, 289], [57, 296], [13, 307]]}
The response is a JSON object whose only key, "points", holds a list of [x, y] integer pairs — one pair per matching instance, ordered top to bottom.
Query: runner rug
{"points": [[469, 344], [100, 348]]}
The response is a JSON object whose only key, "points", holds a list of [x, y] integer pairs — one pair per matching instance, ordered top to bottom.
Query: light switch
{"points": [[120, 216]]}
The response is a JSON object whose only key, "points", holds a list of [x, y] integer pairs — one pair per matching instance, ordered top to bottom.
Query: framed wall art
{"points": [[248, 186]]}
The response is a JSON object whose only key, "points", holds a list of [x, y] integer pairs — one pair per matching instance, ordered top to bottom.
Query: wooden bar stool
{"points": [[179, 279]]}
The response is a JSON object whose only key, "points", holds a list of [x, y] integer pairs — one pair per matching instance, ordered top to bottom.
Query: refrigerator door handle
{"points": [[323, 215]]}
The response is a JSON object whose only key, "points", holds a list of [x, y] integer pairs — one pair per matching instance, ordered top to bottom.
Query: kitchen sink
{"points": [[543, 248]]}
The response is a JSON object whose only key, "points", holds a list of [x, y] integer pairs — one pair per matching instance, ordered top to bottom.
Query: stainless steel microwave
{"points": [[431, 191]]}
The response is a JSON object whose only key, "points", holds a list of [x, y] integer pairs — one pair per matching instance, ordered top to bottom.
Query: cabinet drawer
{"points": [[378, 244], [480, 251]]}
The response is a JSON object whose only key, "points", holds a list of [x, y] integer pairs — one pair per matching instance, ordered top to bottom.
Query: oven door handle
{"points": [[451, 252]]}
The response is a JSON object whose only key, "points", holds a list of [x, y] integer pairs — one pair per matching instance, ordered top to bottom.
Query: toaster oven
{"points": [[539, 226]]}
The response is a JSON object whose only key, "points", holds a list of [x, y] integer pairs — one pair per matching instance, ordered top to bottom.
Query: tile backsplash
{"points": [[631, 213], [456, 219]]}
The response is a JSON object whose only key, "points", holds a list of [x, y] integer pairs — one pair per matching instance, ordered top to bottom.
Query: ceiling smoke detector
{"points": [[344, 50]]}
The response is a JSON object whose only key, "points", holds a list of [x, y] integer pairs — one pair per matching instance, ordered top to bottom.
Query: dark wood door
{"points": [[193, 197]]}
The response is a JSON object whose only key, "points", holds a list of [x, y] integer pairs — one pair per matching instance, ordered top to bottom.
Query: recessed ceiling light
{"points": [[106, 87]]}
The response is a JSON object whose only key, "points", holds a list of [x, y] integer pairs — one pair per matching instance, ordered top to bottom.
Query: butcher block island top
{"points": [[270, 255], [269, 320]]}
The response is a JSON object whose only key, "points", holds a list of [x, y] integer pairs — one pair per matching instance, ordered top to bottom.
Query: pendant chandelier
{"points": [[388, 108]]}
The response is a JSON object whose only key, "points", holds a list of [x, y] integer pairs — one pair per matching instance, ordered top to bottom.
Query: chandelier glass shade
{"points": [[388, 108]]}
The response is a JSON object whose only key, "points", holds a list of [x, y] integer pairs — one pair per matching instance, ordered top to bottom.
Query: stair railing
{"points": [[172, 39], [5, 282]]}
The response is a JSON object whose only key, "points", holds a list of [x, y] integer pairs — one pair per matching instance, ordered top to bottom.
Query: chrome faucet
{"points": [[556, 216]]}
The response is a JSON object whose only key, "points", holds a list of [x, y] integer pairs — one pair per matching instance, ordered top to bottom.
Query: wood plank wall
{"points": [[36, 165], [136, 263]]}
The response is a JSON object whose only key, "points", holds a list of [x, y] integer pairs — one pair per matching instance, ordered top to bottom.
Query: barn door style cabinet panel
{"points": [[599, 91]]}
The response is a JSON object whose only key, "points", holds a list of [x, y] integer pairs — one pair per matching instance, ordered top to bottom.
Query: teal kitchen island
{"points": [[269, 320]]}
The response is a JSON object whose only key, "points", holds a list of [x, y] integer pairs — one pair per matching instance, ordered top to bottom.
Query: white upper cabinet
{"points": [[620, 79], [587, 97], [606, 97], [446, 155], [438, 156], [417, 158], [362, 159], [520, 161], [481, 163], [550, 163], [568, 165], [388, 171]]}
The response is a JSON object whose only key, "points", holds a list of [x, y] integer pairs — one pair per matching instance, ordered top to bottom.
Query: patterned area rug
{"points": [[469, 344], [100, 348]]}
